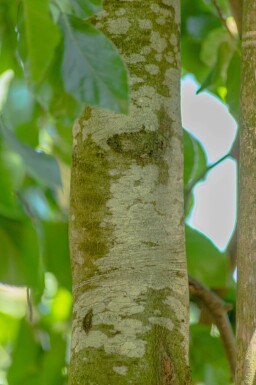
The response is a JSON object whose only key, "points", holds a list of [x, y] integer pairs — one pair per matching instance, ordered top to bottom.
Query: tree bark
{"points": [[130, 285], [246, 290]]}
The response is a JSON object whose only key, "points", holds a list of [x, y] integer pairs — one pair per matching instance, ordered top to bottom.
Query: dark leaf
{"points": [[85, 9], [38, 37], [92, 69], [39, 165], [205, 262]]}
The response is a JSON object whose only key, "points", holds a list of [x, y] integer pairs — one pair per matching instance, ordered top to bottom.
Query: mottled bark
{"points": [[130, 289], [246, 292]]}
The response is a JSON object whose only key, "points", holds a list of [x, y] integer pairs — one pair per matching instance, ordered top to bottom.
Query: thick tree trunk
{"points": [[130, 288], [246, 292]]}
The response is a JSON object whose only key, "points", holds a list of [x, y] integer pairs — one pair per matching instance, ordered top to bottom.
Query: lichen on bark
{"points": [[126, 231]]}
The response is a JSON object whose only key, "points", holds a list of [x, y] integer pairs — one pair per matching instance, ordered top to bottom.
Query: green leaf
{"points": [[85, 9], [8, 21], [38, 37], [210, 46], [191, 62], [92, 69], [218, 74], [234, 84], [51, 94], [21, 112], [189, 155], [195, 161], [39, 165], [11, 178], [56, 251], [20, 262], [205, 262], [8, 327], [207, 357], [43, 359], [54, 360], [25, 368]]}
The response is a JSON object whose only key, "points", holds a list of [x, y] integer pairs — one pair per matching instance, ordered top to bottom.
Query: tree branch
{"points": [[237, 11], [222, 17], [200, 177], [218, 309]]}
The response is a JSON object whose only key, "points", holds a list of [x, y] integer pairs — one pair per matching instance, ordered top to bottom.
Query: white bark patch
{"points": [[176, 6], [120, 12], [161, 20], [145, 24], [119, 26], [173, 39], [158, 43], [146, 50], [158, 56], [134, 58], [169, 58], [152, 69], [143, 113], [75, 131], [141, 215], [162, 321], [250, 362], [122, 370]]}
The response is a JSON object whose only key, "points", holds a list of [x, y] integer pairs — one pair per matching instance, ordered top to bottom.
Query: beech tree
{"points": [[100, 83], [130, 288]]}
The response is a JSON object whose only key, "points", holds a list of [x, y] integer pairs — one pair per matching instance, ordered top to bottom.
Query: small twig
{"points": [[237, 10], [222, 17], [200, 177], [30, 307], [218, 310]]}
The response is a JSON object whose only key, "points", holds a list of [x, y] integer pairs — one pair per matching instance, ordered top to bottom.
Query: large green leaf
{"points": [[86, 9], [8, 36], [38, 37], [210, 45], [191, 62], [92, 69], [217, 75], [234, 84], [51, 94], [21, 112], [189, 155], [195, 160], [39, 165], [9, 181], [56, 251], [19, 254], [205, 262], [8, 326], [207, 357], [43, 359], [54, 361], [25, 367]]}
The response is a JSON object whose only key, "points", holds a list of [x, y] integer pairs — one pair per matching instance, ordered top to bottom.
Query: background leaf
{"points": [[86, 9], [38, 37], [92, 69], [39, 165], [205, 262]]}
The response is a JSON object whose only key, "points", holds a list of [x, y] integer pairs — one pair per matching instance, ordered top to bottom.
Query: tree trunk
{"points": [[130, 288], [246, 291]]}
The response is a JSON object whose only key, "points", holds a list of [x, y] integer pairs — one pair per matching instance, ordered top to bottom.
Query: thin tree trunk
{"points": [[130, 287], [246, 291]]}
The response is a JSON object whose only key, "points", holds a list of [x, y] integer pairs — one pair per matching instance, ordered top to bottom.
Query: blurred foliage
{"points": [[44, 83]]}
